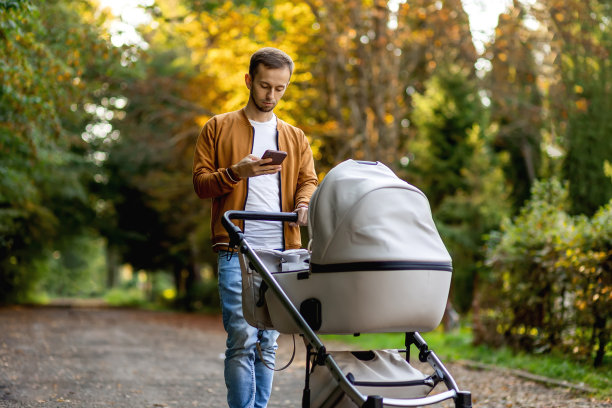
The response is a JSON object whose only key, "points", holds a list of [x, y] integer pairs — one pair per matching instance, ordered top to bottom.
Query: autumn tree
{"points": [[371, 58], [49, 72], [581, 100], [516, 101], [153, 216], [549, 265]]}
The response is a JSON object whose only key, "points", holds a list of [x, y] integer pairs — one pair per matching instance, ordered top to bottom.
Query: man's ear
{"points": [[248, 81]]}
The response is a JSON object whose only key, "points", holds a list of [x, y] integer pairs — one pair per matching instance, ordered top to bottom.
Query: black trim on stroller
{"points": [[381, 266], [316, 351]]}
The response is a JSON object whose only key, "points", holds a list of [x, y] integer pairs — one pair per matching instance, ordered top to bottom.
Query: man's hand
{"points": [[252, 166], [302, 220]]}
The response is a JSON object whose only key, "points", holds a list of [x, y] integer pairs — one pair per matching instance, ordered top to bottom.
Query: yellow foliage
{"points": [[221, 42], [511, 74], [582, 104], [607, 167], [169, 294]]}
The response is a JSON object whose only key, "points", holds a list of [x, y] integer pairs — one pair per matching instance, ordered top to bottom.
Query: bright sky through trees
{"points": [[130, 15], [483, 16]]}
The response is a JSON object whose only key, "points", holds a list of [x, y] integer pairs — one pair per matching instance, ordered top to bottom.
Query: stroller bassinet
{"points": [[377, 264]]}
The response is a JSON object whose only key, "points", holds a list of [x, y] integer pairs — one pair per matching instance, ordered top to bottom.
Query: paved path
{"points": [[64, 357], [89, 358]]}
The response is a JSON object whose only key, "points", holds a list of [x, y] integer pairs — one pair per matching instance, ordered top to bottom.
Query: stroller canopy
{"points": [[364, 217]]}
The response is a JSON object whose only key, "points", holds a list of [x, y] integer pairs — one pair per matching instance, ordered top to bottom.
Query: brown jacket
{"points": [[228, 138]]}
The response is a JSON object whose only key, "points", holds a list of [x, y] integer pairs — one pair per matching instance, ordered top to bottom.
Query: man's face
{"points": [[267, 87]]}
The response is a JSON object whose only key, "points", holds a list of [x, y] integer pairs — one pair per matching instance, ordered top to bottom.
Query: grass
{"points": [[131, 297], [457, 346]]}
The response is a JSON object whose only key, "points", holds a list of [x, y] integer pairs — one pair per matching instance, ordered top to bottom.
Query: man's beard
{"points": [[260, 108]]}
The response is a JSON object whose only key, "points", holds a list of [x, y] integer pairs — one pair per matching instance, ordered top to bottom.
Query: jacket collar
{"points": [[279, 122]]}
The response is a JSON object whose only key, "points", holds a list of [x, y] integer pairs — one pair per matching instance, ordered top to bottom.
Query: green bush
{"points": [[551, 281], [201, 296], [126, 297]]}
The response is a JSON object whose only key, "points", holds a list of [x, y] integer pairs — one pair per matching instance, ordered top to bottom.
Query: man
{"points": [[227, 168]]}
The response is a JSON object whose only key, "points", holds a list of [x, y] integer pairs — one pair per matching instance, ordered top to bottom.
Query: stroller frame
{"points": [[316, 352]]}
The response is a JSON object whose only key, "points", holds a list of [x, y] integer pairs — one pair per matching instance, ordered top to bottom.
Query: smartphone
{"points": [[277, 156]]}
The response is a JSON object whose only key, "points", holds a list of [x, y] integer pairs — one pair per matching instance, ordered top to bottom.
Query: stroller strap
{"points": [[258, 346]]}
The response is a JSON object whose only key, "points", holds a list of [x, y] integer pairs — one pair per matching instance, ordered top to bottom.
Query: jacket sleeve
{"points": [[307, 177], [208, 180]]}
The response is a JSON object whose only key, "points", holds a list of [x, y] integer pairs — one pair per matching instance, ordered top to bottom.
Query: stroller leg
{"points": [[306, 393], [463, 399], [373, 401]]}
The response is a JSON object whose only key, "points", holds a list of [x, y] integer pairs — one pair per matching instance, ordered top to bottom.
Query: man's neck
{"points": [[255, 114]]}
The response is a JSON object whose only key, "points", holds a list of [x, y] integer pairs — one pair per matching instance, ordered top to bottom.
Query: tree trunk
{"points": [[112, 265], [603, 338]]}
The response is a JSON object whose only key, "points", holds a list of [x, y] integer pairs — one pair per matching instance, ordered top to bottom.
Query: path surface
{"points": [[88, 357]]}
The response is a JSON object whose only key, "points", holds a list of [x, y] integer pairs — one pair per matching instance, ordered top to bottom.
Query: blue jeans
{"points": [[248, 380]]}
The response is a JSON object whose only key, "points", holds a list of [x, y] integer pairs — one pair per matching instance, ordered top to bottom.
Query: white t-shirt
{"points": [[264, 192]]}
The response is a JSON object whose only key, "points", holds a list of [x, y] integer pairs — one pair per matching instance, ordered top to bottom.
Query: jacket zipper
{"points": [[280, 191], [246, 196]]}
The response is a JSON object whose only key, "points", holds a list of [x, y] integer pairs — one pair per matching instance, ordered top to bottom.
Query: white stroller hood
{"points": [[364, 217], [377, 261]]}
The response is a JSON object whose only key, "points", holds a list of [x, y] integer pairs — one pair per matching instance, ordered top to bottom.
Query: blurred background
{"points": [[498, 110]]}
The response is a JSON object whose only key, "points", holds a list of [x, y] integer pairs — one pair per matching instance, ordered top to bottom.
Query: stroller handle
{"points": [[236, 234]]}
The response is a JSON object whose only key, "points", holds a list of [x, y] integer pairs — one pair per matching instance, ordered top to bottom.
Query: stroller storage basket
{"points": [[380, 372]]}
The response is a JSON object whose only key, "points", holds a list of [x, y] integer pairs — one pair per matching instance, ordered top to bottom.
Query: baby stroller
{"points": [[375, 263]]}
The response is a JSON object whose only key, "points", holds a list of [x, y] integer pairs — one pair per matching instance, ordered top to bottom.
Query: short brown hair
{"points": [[270, 58]]}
